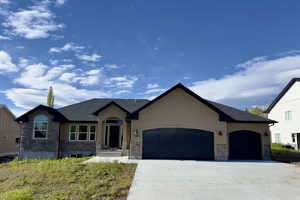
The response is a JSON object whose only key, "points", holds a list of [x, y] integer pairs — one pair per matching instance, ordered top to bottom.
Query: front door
{"points": [[114, 136], [298, 141]]}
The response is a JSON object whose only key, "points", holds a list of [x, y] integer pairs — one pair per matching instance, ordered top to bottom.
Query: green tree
{"points": [[50, 98], [257, 111]]}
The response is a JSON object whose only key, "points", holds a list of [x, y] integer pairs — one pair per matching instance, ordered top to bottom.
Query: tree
{"points": [[50, 98], [257, 111]]}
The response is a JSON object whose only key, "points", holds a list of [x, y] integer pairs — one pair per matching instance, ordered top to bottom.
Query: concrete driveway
{"points": [[166, 179]]}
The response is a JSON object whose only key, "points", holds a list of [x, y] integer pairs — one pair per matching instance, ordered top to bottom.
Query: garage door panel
{"points": [[178, 143], [245, 145]]}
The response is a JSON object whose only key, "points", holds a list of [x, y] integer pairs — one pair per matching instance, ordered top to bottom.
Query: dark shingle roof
{"points": [[84, 111], [238, 115]]}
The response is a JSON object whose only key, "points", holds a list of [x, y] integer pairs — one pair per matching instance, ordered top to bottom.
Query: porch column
{"points": [[99, 137], [124, 141]]}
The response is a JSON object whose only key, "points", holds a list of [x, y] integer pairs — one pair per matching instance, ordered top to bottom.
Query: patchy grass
{"points": [[283, 154], [64, 179]]}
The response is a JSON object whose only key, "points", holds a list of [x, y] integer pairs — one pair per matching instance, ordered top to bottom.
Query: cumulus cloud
{"points": [[4, 1], [60, 2], [34, 22], [2, 37], [67, 47], [91, 58], [6, 64], [255, 79], [35, 80], [123, 81], [152, 85], [155, 90]]}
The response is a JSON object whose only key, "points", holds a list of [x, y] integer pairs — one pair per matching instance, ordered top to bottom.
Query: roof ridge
{"points": [[77, 103]]}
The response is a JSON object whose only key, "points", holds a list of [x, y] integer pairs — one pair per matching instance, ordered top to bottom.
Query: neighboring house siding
{"points": [[179, 110], [284, 129], [9, 131], [39, 148], [71, 148]]}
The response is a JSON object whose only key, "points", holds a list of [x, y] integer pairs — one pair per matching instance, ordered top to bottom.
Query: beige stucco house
{"points": [[178, 124], [9, 132]]}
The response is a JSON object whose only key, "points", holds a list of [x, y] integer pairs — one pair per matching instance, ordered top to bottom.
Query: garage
{"points": [[178, 143], [245, 145]]}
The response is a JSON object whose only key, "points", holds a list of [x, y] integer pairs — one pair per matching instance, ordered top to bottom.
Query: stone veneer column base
{"points": [[222, 152]]}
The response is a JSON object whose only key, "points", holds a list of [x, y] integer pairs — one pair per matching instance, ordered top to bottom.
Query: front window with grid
{"points": [[40, 127], [82, 133]]}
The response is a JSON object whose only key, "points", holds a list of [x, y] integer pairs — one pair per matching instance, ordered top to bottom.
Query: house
{"points": [[286, 110], [178, 124], [9, 132]]}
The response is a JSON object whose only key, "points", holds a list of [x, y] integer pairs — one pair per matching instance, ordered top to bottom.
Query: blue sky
{"points": [[240, 53]]}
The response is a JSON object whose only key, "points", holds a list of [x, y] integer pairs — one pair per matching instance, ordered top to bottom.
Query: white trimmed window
{"points": [[288, 115], [40, 127], [82, 132]]}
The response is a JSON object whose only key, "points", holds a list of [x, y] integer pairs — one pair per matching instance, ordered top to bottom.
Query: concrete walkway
{"points": [[122, 159], [194, 180]]}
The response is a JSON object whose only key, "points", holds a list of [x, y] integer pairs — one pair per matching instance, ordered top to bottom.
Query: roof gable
{"points": [[281, 94], [108, 105], [6, 109], [226, 113], [57, 115]]}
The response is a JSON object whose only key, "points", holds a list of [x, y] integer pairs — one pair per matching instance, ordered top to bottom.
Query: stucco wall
{"points": [[179, 110], [256, 127], [9, 131], [39, 148], [69, 148]]}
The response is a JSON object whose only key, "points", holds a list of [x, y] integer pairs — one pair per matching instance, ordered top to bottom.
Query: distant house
{"points": [[285, 109], [178, 124], [9, 132]]}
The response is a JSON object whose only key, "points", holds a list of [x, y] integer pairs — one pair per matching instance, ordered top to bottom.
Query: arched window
{"points": [[40, 127]]}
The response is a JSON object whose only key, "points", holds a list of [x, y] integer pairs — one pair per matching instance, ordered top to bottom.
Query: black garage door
{"points": [[178, 143], [245, 145]]}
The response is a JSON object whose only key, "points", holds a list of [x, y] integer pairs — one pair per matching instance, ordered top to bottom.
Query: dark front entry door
{"points": [[114, 135], [298, 140], [178, 143], [245, 145]]}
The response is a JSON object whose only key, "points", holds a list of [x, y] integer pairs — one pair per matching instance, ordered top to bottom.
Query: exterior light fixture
{"points": [[220, 133], [266, 134]]}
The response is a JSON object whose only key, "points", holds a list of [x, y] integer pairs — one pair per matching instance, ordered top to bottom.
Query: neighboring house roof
{"points": [[281, 94], [2, 106], [85, 111], [227, 113], [57, 115]]}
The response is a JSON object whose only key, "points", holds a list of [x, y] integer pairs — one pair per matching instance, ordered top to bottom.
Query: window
{"points": [[288, 115], [114, 121], [40, 127], [82, 132], [92, 133], [277, 137]]}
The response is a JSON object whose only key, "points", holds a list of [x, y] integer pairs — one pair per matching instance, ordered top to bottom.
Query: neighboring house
{"points": [[286, 110], [176, 125], [9, 132]]}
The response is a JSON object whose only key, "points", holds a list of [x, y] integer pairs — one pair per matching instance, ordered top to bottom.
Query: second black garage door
{"points": [[178, 143], [245, 145]]}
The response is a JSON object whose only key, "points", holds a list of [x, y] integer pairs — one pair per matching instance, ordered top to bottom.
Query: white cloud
{"points": [[4, 1], [60, 2], [35, 22], [2, 37], [67, 47], [92, 58], [6, 64], [111, 66], [68, 77], [91, 77], [256, 78], [123, 81], [152, 85], [155, 90], [121, 92]]}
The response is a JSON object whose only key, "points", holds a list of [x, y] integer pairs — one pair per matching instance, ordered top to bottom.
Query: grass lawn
{"points": [[280, 153], [64, 179]]}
